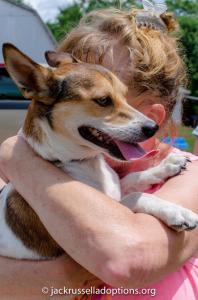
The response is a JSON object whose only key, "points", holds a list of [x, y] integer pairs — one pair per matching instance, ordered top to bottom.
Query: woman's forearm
{"points": [[195, 150], [183, 190], [99, 233]]}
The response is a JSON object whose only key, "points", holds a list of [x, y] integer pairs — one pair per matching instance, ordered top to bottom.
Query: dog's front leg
{"points": [[172, 165], [173, 215]]}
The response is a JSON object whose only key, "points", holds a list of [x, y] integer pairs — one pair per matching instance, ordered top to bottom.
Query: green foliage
{"points": [[19, 1], [94, 4], [183, 7], [185, 10], [69, 17], [65, 21], [189, 39]]}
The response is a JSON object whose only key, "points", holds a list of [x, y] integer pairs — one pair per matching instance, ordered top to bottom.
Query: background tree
{"points": [[18, 1], [183, 7], [187, 14], [67, 18], [189, 39]]}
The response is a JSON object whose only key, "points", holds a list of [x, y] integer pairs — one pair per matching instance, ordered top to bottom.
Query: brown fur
{"points": [[81, 91], [27, 226]]}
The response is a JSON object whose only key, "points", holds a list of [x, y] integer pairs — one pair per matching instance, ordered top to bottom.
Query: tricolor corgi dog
{"points": [[79, 114]]}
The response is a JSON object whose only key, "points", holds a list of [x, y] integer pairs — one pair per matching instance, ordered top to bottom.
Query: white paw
{"points": [[173, 164], [181, 219]]}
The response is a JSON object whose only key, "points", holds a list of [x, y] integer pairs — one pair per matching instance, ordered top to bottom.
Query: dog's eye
{"points": [[106, 101]]}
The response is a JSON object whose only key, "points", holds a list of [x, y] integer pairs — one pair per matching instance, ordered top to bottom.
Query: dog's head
{"points": [[78, 110]]}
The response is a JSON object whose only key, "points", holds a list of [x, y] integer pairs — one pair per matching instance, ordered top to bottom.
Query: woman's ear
{"points": [[157, 113]]}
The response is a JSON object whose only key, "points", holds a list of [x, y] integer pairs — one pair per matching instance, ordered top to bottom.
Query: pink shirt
{"points": [[180, 285]]}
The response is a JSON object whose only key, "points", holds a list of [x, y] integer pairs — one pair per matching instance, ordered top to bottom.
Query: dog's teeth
{"points": [[94, 132]]}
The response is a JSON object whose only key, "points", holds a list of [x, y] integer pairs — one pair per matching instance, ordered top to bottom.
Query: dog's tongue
{"points": [[134, 151]]}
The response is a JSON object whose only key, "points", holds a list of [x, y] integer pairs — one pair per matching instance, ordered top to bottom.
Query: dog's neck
{"points": [[53, 147], [78, 162]]}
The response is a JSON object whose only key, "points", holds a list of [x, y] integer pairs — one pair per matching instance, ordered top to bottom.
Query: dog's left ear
{"points": [[56, 59], [29, 76]]}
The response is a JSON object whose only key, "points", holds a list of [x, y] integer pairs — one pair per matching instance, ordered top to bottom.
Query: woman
{"points": [[117, 246]]}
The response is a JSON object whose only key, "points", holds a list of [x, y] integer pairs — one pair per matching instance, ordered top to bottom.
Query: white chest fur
{"points": [[92, 170], [95, 172]]}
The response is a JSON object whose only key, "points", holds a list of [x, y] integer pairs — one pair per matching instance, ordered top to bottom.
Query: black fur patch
{"points": [[63, 90], [46, 112], [1, 190]]}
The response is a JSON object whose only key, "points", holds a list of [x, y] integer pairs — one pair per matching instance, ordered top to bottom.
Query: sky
{"points": [[48, 9]]}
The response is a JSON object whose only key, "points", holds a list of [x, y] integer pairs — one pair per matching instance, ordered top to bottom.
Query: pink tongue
{"points": [[134, 151]]}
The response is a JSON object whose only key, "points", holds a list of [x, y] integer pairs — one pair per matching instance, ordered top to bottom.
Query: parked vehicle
{"points": [[13, 106]]}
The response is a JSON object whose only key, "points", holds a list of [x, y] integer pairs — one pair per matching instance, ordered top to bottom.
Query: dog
{"points": [[79, 114]]}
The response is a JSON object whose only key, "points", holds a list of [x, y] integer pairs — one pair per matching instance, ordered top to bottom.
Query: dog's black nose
{"points": [[149, 129]]}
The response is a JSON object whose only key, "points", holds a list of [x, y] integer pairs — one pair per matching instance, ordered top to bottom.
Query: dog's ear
{"points": [[56, 59], [29, 76]]}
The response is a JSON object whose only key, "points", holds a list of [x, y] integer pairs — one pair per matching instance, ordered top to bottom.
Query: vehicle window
{"points": [[8, 89]]}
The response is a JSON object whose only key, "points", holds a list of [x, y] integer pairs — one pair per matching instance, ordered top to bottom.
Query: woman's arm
{"points": [[195, 133], [196, 146], [183, 190], [105, 237], [22, 280]]}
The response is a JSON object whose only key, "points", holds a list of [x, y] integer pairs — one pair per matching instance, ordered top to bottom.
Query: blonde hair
{"points": [[155, 62]]}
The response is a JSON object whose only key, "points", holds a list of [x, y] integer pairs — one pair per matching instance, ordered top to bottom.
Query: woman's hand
{"points": [[118, 246]]}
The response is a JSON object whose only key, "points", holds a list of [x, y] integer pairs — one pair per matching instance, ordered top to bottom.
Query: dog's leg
{"points": [[172, 165], [175, 216], [22, 235], [10, 244]]}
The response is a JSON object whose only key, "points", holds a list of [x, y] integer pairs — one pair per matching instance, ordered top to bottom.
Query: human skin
{"points": [[196, 146], [22, 280]]}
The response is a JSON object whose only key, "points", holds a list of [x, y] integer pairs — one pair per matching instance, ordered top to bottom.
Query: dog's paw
{"points": [[173, 164], [184, 219]]}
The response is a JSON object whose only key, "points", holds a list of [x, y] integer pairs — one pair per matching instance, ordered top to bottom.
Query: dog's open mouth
{"points": [[117, 149]]}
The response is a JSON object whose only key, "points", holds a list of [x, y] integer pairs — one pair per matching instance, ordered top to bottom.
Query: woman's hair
{"points": [[154, 59]]}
